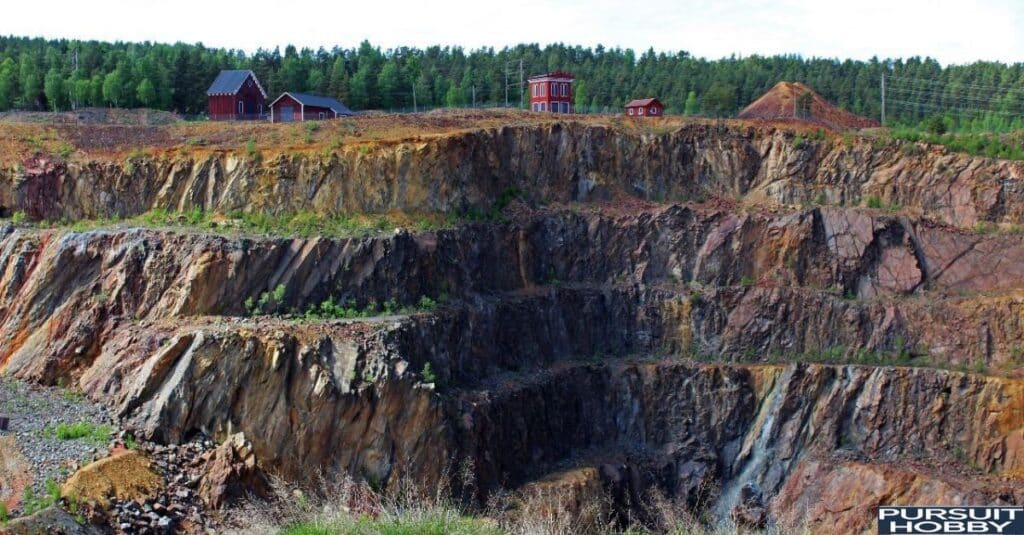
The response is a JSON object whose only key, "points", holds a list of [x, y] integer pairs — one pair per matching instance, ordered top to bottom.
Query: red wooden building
{"points": [[551, 92], [236, 96], [291, 107], [645, 107]]}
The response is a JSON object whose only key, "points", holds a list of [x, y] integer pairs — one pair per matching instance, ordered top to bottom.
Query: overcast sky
{"points": [[950, 31]]}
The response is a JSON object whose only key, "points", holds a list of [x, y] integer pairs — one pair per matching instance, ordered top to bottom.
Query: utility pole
{"points": [[522, 82], [506, 83], [474, 95], [414, 97], [883, 98]]}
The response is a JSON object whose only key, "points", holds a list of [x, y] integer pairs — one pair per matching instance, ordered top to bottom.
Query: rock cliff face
{"points": [[553, 162], [711, 352]]}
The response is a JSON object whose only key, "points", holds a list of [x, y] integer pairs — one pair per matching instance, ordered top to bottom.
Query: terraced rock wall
{"points": [[707, 351]]}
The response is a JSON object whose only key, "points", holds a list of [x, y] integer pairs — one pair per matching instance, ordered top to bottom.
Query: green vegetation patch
{"points": [[1008, 146], [95, 433]]}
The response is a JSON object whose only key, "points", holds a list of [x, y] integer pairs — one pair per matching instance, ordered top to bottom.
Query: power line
{"points": [[944, 84], [913, 93], [945, 109]]}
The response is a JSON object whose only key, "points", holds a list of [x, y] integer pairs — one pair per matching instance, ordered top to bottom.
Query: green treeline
{"points": [[64, 74]]}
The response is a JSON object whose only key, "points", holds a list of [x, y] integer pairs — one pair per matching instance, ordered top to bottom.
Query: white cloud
{"points": [[951, 31]]}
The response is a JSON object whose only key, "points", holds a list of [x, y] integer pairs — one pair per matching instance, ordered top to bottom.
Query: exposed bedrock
{"points": [[557, 162], [703, 282], [565, 352], [344, 397]]}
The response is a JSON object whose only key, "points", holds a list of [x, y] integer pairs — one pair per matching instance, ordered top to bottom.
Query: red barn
{"points": [[551, 92], [236, 96], [299, 107], [645, 107]]}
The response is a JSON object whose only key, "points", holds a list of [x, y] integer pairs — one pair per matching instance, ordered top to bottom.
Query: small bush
{"points": [[798, 142], [875, 202], [984, 227], [746, 280], [428, 374]]}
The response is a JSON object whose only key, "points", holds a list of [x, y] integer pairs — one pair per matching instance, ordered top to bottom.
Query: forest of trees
{"points": [[38, 74]]}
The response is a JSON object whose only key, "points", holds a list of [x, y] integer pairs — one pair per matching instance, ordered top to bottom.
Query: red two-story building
{"points": [[551, 92]]}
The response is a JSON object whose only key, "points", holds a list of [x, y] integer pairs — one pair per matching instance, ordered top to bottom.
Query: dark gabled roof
{"points": [[553, 74], [229, 82], [317, 101], [642, 102]]}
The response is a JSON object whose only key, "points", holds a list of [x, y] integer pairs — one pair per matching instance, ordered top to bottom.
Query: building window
{"points": [[533, 89], [565, 89], [543, 106], [241, 107], [631, 111], [654, 111], [322, 116]]}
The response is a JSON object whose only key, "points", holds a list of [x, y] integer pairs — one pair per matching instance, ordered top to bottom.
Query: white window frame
{"points": [[543, 106], [241, 107], [654, 110], [631, 111], [321, 115]]}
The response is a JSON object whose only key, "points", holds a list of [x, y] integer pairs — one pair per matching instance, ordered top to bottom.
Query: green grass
{"points": [[1003, 146], [95, 433], [31, 503]]}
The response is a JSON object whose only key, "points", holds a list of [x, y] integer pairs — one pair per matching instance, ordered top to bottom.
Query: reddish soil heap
{"points": [[779, 103]]}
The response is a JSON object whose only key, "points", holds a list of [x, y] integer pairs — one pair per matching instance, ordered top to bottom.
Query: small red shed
{"points": [[551, 92], [236, 96], [291, 107], [645, 107]]}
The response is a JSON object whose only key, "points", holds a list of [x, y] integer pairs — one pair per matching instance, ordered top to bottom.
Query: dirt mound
{"points": [[796, 101], [126, 475]]}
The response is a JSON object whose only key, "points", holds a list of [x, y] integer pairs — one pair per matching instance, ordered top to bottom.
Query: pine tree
{"points": [[30, 84], [337, 85], [389, 86], [8, 87], [53, 87], [113, 87], [361, 88], [146, 93], [690, 108]]}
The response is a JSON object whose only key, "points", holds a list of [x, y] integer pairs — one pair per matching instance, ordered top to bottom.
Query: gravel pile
{"points": [[35, 413], [178, 509]]}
